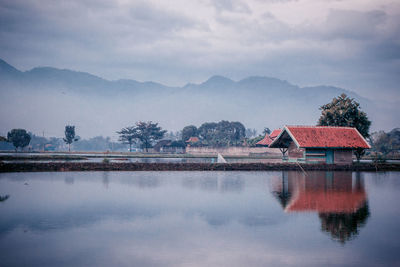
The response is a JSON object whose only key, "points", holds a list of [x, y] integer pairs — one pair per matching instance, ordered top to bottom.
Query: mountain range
{"points": [[45, 99]]}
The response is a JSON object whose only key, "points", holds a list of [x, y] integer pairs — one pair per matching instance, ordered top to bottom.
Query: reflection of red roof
{"points": [[275, 133], [327, 136], [193, 139], [265, 141], [329, 201]]}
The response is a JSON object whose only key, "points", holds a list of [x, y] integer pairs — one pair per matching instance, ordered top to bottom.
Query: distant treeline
{"points": [[143, 135], [39, 143], [386, 143]]}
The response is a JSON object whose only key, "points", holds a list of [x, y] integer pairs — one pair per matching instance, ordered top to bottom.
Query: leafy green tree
{"points": [[345, 111], [189, 131], [148, 132], [207, 132], [238, 132], [223, 133], [128, 135], [70, 136], [19, 138], [3, 139], [252, 141], [386, 143]]}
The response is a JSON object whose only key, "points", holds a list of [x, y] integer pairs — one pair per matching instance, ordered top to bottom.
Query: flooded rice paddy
{"points": [[200, 219]]}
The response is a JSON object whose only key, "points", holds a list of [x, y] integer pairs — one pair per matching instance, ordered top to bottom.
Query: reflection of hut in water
{"points": [[280, 189], [339, 199]]}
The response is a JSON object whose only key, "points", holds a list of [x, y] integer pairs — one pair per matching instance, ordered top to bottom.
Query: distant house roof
{"points": [[275, 133], [321, 136], [193, 139], [267, 140]]}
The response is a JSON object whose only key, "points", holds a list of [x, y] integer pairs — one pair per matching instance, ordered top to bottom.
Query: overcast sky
{"points": [[350, 43]]}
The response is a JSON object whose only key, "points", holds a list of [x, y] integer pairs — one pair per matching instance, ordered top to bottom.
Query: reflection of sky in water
{"points": [[184, 218]]}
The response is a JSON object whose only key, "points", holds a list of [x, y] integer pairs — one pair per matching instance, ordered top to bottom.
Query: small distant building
{"points": [[267, 140], [192, 141], [319, 144], [169, 146]]}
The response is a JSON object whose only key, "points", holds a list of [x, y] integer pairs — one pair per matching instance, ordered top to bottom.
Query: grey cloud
{"points": [[231, 6], [152, 18], [353, 24], [143, 41]]}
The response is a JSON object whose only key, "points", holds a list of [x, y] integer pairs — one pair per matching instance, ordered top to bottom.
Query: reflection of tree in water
{"points": [[69, 179], [106, 179], [145, 181], [215, 182], [232, 184], [4, 198], [344, 226]]}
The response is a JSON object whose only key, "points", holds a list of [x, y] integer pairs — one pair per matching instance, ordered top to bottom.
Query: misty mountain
{"points": [[46, 99]]}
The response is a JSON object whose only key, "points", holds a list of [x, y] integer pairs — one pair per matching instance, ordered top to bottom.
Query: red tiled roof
{"points": [[275, 133], [327, 136], [193, 139], [265, 141]]}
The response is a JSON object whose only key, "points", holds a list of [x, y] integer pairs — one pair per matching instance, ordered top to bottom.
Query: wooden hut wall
{"points": [[294, 152], [316, 155], [343, 156]]}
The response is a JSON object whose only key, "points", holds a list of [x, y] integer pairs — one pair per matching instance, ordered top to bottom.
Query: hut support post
{"points": [[283, 150]]}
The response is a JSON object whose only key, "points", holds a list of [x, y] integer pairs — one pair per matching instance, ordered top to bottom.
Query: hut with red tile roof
{"points": [[193, 139], [267, 140], [323, 144]]}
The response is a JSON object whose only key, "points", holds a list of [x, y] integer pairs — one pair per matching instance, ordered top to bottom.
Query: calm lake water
{"points": [[200, 219]]}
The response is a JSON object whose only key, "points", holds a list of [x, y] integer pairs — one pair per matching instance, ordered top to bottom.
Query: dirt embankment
{"points": [[90, 166]]}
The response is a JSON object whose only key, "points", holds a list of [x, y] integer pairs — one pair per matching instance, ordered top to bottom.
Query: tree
{"points": [[345, 111], [189, 131], [266, 131], [148, 132], [207, 132], [238, 132], [223, 133], [251, 133], [70, 136], [128, 136], [19, 138], [3, 139], [252, 141], [386, 143]]}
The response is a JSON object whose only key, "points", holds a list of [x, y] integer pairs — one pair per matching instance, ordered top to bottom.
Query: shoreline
{"points": [[99, 166]]}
